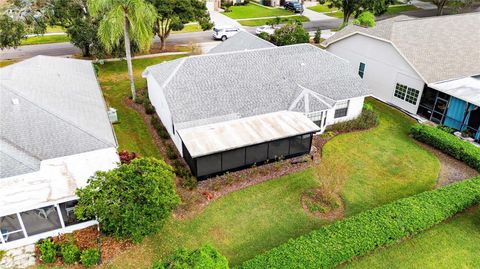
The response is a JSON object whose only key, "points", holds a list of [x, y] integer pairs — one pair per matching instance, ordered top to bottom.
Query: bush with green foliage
{"points": [[365, 19], [289, 34], [264, 36], [318, 36], [149, 108], [368, 119], [158, 126], [446, 129], [448, 143], [171, 153], [130, 201], [362, 233], [48, 251], [70, 253], [2, 254], [90, 257], [206, 257]]}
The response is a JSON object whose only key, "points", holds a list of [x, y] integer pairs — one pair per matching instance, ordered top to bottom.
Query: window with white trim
{"points": [[406, 93], [341, 109], [316, 117]]}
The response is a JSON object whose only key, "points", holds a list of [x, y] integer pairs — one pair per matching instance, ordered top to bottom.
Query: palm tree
{"points": [[127, 19]]}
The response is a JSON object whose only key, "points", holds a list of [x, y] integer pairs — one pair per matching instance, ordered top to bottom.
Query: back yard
{"points": [[382, 164], [453, 244]]}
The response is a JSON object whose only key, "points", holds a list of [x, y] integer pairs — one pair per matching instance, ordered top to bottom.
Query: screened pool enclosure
{"points": [[232, 145]]}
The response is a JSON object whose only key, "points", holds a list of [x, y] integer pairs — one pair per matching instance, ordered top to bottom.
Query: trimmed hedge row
{"points": [[448, 143], [358, 235]]}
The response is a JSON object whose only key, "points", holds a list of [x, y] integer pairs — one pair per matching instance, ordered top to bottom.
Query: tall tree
{"points": [[456, 4], [356, 7], [172, 15], [127, 20], [11, 32]]}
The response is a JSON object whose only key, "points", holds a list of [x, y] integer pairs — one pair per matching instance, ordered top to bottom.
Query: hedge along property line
{"points": [[448, 143], [358, 235]]}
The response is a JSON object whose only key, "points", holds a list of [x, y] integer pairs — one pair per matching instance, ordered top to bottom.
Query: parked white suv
{"points": [[224, 32]]}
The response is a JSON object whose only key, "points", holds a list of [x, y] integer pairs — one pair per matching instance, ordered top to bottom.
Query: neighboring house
{"points": [[429, 67], [232, 109], [54, 135]]}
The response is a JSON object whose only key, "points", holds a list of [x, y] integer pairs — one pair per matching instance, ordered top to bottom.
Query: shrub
{"points": [[366, 19], [289, 34], [264, 36], [318, 36], [139, 99], [149, 108], [368, 119], [158, 126], [446, 129], [448, 143], [171, 153], [126, 157], [189, 182], [130, 201], [362, 233], [48, 251], [70, 253], [90, 257], [206, 257]]}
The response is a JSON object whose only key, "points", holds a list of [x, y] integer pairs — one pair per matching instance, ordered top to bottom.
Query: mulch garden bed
{"points": [[86, 239]]}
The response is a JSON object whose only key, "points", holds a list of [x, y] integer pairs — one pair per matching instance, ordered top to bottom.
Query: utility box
{"points": [[112, 115]]}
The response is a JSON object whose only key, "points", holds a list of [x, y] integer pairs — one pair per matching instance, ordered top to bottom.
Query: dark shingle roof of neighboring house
{"points": [[241, 41], [439, 48], [224, 86], [50, 107]]}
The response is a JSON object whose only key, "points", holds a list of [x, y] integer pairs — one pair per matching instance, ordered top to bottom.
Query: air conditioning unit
{"points": [[112, 115]]}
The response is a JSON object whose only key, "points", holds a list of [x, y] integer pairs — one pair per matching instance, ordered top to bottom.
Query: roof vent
{"points": [[302, 64], [15, 101]]}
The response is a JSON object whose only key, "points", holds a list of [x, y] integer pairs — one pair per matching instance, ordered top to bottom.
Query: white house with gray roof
{"points": [[428, 66], [232, 109], [54, 134]]}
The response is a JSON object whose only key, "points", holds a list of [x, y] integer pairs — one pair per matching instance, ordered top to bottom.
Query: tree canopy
{"points": [[355, 7], [172, 15], [366, 19], [11, 32], [289, 34], [130, 201]]}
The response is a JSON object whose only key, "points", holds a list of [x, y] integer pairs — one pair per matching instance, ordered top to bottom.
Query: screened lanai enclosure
{"points": [[455, 104], [227, 146]]}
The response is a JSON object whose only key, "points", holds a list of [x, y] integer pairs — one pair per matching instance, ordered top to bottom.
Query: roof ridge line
{"points": [[170, 77], [318, 96], [55, 115], [7, 141]]}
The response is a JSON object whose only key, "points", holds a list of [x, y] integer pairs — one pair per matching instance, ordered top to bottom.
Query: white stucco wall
{"points": [[384, 67], [158, 100], [354, 110], [57, 179]]}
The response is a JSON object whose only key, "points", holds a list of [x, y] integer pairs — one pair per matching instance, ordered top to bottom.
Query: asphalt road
{"points": [[62, 49]]}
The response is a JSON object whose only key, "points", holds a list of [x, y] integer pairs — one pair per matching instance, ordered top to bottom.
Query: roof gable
{"points": [[439, 48]]}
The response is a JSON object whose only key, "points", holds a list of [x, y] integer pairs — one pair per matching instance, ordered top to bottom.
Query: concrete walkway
{"points": [[315, 16], [219, 19]]}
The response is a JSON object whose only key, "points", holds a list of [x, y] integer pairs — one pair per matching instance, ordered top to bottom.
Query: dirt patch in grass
{"points": [[451, 169], [315, 203]]}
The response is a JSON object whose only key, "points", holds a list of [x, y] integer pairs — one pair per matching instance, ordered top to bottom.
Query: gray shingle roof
{"points": [[241, 41], [439, 48], [254, 82], [60, 111]]}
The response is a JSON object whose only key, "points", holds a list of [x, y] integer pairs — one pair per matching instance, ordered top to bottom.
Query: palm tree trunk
{"points": [[129, 57]]}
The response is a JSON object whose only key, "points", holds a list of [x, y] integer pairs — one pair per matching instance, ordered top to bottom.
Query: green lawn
{"points": [[322, 8], [397, 9], [390, 10], [255, 11], [336, 14], [265, 21], [194, 27], [44, 39], [132, 133], [385, 165], [453, 244]]}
